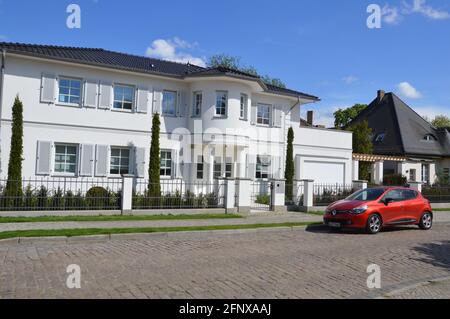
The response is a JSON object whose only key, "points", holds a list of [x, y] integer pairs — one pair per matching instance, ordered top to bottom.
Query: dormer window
{"points": [[380, 137], [430, 138]]}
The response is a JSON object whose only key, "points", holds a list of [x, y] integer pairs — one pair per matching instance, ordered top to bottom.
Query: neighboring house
{"points": [[88, 113], [420, 151]]}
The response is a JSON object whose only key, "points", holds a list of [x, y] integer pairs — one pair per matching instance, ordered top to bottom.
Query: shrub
{"points": [[395, 180], [97, 197], [263, 199]]}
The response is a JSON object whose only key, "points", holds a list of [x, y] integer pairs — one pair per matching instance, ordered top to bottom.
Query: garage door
{"points": [[324, 172]]}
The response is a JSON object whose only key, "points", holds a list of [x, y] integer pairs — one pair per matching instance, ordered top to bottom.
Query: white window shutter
{"points": [[48, 88], [90, 93], [106, 95], [142, 100], [157, 100], [182, 104], [254, 113], [276, 116], [87, 152], [139, 157], [44, 158], [101, 160], [174, 164], [251, 166]]}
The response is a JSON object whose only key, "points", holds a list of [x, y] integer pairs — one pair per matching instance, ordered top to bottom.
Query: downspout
{"points": [[2, 78]]}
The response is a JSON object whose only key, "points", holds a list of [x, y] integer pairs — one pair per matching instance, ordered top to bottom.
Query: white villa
{"points": [[88, 113]]}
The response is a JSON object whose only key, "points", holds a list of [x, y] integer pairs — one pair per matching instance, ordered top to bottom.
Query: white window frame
{"points": [[68, 78], [133, 102], [174, 105], [197, 109], [243, 110], [220, 115], [260, 120], [77, 154], [120, 159], [217, 164], [228, 167], [166, 168], [200, 168], [264, 169], [425, 173]]}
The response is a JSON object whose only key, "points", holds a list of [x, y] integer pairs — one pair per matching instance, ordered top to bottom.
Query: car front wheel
{"points": [[426, 222], [374, 224]]}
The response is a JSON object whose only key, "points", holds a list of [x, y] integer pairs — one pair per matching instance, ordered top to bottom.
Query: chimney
{"points": [[380, 95], [310, 118]]}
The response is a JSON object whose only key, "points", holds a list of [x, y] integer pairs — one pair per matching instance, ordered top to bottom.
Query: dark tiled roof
{"points": [[117, 60], [404, 129]]}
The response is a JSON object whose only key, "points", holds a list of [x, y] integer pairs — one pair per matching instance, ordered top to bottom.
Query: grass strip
{"points": [[441, 209], [104, 218], [111, 231]]}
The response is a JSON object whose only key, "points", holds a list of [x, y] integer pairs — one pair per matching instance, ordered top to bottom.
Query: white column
{"points": [[242, 157], [355, 170], [377, 173], [433, 176], [358, 185], [230, 191], [127, 194], [244, 194], [278, 195], [308, 196]]}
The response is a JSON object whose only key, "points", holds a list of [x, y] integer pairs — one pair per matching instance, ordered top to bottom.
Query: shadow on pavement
{"points": [[322, 229], [436, 254]]}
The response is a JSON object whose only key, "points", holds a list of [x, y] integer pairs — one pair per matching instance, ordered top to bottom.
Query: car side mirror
{"points": [[387, 201]]}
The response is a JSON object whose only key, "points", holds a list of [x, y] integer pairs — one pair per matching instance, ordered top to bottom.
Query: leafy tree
{"points": [[233, 62], [343, 117], [441, 121], [362, 143], [290, 167], [154, 187], [13, 188]]}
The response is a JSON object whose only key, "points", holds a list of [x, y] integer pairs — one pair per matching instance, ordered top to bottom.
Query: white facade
{"points": [[94, 131]]}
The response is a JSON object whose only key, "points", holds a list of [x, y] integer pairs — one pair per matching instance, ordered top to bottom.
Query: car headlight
{"points": [[359, 210]]}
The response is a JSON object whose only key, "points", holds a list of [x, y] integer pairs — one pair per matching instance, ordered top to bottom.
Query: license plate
{"points": [[334, 225]]}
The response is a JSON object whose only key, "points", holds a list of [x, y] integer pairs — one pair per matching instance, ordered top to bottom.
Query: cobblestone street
{"points": [[311, 263]]}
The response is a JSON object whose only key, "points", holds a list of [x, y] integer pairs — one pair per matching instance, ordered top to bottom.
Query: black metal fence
{"points": [[60, 193], [177, 194], [325, 194], [437, 194], [261, 195]]}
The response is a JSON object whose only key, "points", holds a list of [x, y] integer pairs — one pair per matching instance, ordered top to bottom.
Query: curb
{"points": [[139, 236]]}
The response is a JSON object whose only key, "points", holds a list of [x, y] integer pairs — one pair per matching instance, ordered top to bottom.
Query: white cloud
{"points": [[420, 6], [391, 15], [3, 37], [170, 50], [350, 79], [407, 90], [430, 111]]}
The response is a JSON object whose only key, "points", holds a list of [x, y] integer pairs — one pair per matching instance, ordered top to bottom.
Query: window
{"points": [[69, 91], [123, 97], [169, 103], [221, 103], [197, 105], [244, 107], [263, 115], [380, 137], [430, 138], [65, 158], [120, 161], [166, 163], [200, 167], [262, 167], [229, 168], [217, 173], [425, 173], [412, 175], [368, 194], [409, 194], [396, 195]]}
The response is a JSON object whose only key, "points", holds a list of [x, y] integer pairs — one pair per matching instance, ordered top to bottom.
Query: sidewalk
{"points": [[265, 218]]}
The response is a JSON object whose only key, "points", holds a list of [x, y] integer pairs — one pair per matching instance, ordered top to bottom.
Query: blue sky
{"points": [[321, 47]]}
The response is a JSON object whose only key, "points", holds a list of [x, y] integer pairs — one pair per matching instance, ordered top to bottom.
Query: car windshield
{"points": [[368, 194]]}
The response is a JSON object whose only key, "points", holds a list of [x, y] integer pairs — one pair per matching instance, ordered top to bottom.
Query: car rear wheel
{"points": [[426, 221], [374, 224]]}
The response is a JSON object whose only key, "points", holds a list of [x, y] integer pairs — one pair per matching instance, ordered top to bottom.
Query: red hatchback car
{"points": [[374, 208]]}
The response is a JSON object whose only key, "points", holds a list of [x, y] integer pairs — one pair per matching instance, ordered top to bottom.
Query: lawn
{"points": [[441, 209], [102, 218], [111, 231]]}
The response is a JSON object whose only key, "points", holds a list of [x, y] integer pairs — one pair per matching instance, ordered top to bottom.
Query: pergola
{"points": [[378, 165]]}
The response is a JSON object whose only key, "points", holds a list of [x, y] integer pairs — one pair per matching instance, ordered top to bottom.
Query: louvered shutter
{"points": [[48, 88], [90, 93], [106, 98], [142, 100], [157, 100], [182, 104], [254, 114], [276, 116], [43, 158], [87, 160], [101, 161], [140, 162], [251, 166], [174, 167], [276, 167]]}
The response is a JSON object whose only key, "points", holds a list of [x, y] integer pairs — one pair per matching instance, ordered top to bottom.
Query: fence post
{"points": [[358, 185], [416, 186], [230, 191], [298, 192], [127, 194], [308, 194], [244, 195], [278, 195]]}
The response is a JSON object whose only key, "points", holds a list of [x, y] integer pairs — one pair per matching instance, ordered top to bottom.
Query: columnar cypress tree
{"points": [[290, 169], [154, 186], [13, 188]]}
